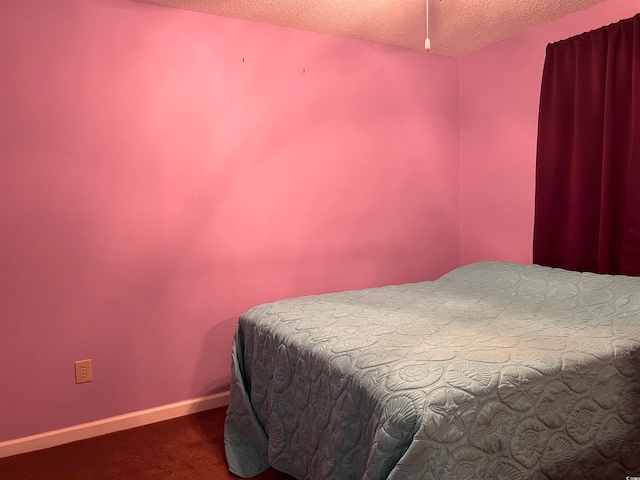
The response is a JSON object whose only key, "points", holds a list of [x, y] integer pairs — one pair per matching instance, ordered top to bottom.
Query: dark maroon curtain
{"points": [[587, 203]]}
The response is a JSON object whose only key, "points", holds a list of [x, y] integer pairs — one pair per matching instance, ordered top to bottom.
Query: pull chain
{"points": [[427, 41]]}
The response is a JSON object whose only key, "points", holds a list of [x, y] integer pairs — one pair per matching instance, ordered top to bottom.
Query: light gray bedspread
{"points": [[496, 370]]}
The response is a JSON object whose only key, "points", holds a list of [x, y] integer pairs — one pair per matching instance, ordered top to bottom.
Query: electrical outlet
{"points": [[83, 371]]}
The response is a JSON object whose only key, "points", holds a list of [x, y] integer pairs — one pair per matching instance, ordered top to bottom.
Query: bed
{"points": [[495, 370]]}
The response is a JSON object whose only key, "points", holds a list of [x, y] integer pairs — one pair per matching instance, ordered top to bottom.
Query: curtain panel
{"points": [[587, 202]]}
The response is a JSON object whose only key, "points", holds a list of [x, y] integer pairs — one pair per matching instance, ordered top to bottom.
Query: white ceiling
{"points": [[456, 27]]}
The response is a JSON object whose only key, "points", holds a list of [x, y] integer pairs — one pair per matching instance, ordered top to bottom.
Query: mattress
{"points": [[495, 370]]}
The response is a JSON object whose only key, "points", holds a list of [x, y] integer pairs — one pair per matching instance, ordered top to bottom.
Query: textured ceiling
{"points": [[456, 27]]}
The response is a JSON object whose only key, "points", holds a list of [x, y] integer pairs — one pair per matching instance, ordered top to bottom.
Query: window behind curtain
{"points": [[587, 203]]}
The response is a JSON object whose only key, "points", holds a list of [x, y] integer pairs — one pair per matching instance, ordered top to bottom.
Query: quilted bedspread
{"points": [[495, 370]]}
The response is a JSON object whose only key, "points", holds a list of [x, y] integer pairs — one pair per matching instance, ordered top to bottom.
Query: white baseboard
{"points": [[112, 424]]}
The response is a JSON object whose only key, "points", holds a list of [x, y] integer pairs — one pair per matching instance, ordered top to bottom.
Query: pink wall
{"points": [[500, 90], [161, 171]]}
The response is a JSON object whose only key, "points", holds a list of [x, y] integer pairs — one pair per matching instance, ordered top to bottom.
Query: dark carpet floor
{"points": [[185, 448]]}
